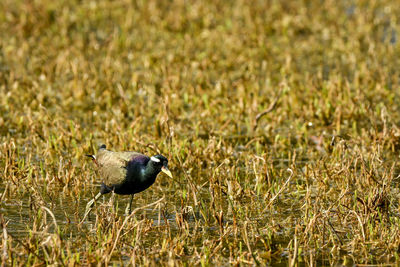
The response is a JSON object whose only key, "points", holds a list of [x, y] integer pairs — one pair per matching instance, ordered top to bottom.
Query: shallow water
{"points": [[20, 215]]}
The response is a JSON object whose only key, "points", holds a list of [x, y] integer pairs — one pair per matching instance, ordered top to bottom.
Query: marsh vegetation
{"points": [[280, 121]]}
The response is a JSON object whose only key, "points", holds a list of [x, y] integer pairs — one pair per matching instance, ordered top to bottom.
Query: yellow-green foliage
{"points": [[234, 93]]}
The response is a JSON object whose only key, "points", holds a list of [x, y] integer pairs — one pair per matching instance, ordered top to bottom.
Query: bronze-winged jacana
{"points": [[126, 173]]}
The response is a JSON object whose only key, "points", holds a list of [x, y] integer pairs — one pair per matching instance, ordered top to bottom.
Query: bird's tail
{"points": [[91, 156]]}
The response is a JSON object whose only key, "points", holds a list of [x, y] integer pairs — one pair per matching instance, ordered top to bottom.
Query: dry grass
{"points": [[234, 93]]}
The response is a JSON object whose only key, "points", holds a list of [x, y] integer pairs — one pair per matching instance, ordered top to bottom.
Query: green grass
{"points": [[234, 93]]}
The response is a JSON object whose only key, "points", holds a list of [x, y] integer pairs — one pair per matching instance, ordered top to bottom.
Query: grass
{"points": [[279, 118]]}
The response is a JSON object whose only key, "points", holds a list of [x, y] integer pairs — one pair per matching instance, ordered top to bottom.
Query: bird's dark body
{"points": [[126, 173], [133, 182]]}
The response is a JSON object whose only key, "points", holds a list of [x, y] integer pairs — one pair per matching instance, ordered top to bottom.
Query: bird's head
{"points": [[160, 163]]}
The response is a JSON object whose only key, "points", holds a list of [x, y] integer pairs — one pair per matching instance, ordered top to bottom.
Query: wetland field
{"points": [[280, 121]]}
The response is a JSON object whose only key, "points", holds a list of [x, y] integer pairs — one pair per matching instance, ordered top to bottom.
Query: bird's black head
{"points": [[160, 163]]}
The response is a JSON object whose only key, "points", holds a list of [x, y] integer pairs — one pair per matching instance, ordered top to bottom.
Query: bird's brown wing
{"points": [[112, 165]]}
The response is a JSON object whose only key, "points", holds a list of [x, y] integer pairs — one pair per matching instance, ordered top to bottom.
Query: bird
{"points": [[126, 173]]}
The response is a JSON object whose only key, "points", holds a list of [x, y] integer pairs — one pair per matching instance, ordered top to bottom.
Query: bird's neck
{"points": [[150, 171]]}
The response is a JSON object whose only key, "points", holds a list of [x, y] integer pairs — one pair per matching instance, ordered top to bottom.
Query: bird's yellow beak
{"points": [[166, 171]]}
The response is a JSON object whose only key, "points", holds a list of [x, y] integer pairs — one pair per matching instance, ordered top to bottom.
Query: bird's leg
{"points": [[111, 201], [90, 205], [130, 205], [128, 208]]}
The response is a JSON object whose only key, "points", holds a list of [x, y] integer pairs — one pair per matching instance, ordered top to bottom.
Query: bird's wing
{"points": [[128, 155], [112, 165]]}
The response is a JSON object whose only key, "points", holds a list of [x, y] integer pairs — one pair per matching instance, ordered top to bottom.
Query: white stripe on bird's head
{"points": [[154, 159]]}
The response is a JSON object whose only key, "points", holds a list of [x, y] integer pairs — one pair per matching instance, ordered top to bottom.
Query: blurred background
{"points": [[233, 93]]}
